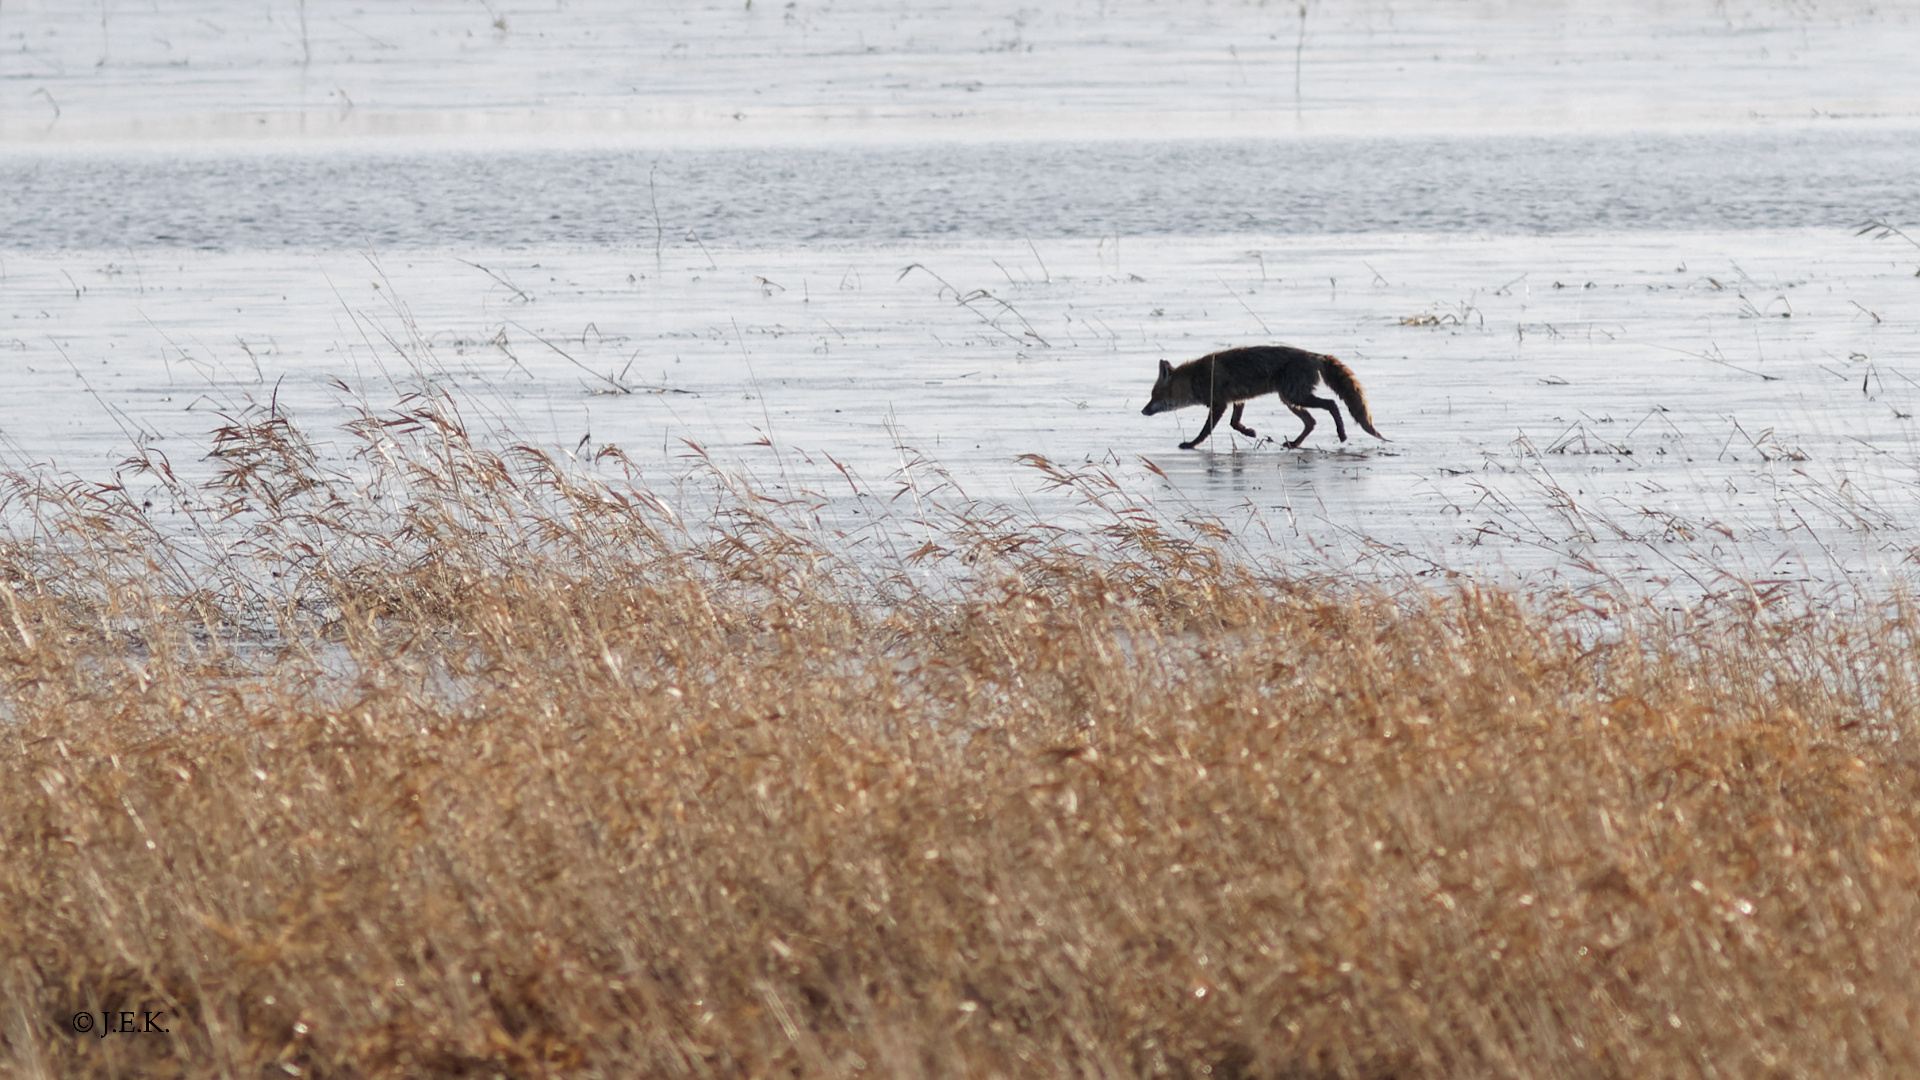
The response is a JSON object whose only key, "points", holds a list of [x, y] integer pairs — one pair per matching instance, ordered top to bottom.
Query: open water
{"points": [[1730, 179]]}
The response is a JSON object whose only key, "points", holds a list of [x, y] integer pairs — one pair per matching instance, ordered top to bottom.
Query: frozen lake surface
{"points": [[476, 72], [1599, 273], [1653, 407]]}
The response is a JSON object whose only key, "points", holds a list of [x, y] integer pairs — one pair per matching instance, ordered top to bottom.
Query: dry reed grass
{"points": [[465, 763]]}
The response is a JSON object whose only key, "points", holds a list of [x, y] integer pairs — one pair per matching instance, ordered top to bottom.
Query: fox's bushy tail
{"points": [[1340, 380]]}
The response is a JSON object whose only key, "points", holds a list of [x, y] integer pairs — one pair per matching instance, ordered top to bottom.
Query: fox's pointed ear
{"points": [[1166, 369]]}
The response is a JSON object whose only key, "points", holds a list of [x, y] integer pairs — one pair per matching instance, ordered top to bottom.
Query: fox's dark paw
{"points": [[1189, 445]]}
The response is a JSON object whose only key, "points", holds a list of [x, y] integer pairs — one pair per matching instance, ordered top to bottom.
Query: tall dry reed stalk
{"points": [[455, 761]]}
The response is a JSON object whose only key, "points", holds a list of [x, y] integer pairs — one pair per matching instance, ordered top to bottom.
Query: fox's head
{"points": [[1165, 396]]}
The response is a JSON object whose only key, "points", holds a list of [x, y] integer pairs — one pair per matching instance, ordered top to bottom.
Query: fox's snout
{"points": [[1160, 399]]}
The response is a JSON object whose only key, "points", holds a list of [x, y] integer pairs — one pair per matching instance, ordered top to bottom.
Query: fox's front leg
{"points": [[1240, 427], [1206, 429]]}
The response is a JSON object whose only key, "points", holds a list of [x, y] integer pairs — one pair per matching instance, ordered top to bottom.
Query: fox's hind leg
{"points": [[1322, 403], [1213, 417], [1305, 418], [1243, 429]]}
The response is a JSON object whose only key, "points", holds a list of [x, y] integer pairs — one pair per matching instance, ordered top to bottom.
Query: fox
{"points": [[1232, 376]]}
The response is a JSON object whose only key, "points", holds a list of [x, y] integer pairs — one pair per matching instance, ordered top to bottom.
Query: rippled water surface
{"points": [[1734, 179]]}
